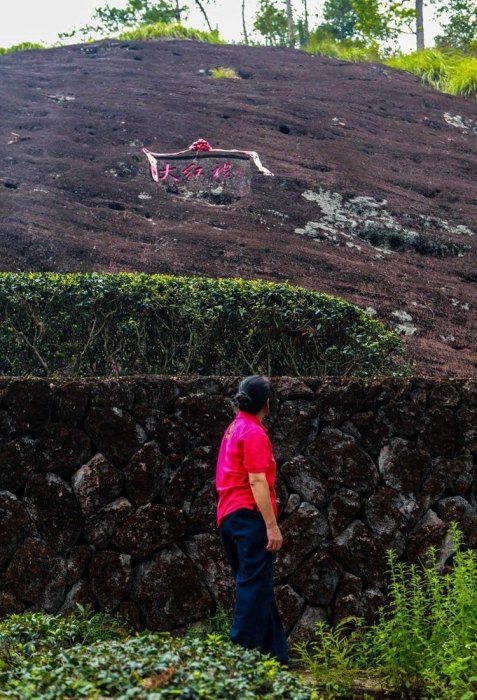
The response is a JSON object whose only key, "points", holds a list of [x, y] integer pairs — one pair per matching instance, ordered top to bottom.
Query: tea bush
{"points": [[128, 323], [92, 656]]}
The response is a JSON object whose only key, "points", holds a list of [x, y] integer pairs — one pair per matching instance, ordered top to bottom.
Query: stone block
{"points": [[29, 402], [295, 426], [114, 433], [64, 449], [340, 458], [19, 459], [403, 466], [145, 474], [305, 479], [96, 483], [54, 510], [15, 526], [100, 527], [149, 528], [303, 531], [206, 552], [361, 553], [109, 574], [36, 576], [169, 590], [289, 604]]}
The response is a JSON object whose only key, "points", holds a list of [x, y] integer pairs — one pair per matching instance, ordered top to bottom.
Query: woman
{"points": [[247, 518]]}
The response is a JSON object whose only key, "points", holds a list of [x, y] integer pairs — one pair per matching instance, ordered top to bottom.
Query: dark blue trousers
{"points": [[256, 622]]}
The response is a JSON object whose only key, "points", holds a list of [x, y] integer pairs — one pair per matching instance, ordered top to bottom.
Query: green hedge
{"points": [[128, 323]]}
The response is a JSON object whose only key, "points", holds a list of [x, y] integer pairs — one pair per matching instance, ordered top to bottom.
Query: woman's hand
{"points": [[275, 538]]}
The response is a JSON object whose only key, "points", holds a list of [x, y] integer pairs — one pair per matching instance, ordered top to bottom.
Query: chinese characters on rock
{"points": [[191, 171]]}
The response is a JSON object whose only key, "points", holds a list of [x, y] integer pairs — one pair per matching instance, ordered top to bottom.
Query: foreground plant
{"points": [[424, 644], [91, 656]]}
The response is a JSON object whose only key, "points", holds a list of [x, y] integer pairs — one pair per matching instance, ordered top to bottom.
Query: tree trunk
{"points": [[202, 9], [305, 22], [420, 24], [291, 27], [245, 35]]}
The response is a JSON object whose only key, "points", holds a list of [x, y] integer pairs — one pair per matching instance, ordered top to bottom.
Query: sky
{"points": [[42, 20]]}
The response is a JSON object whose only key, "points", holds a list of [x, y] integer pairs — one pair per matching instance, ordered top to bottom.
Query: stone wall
{"points": [[107, 492]]}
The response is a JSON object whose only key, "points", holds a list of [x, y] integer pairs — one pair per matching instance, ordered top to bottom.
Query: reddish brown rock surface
{"points": [[76, 194]]}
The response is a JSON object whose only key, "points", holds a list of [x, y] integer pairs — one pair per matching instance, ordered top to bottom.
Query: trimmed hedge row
{"points": [[129, 323]]}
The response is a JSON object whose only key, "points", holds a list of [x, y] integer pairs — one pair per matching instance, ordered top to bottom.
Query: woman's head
{"points": [[253, 394]]}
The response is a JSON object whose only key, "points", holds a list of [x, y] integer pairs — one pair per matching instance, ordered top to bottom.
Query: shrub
{"points": [[160, 30], [25, 46], [345, 50], [129, 323], [424, 644], [112, 664]]}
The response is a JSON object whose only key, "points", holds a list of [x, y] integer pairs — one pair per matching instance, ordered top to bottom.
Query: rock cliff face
{"points": [[373, 197], [107, 492]]}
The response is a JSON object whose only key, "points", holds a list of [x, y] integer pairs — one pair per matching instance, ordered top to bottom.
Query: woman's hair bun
{"points": [[253, 393], [244, 400]]}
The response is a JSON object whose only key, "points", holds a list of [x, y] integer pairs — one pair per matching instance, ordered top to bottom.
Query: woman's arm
{"points": [[261, 494]]}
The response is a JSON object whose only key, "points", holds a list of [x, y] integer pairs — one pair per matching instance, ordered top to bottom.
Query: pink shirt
{"points": [[245, 449]]}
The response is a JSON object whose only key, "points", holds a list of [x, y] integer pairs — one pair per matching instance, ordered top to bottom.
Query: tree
{"points": [[114, 19], [340, 19], [110, 20], [366, 20], [459, 21], [271, 23], [244, 24], [290, 24], [420, 24]]}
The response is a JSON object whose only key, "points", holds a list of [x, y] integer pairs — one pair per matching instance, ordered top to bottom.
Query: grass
{"points": [[344, 51], [447, 71], [463, 80]]}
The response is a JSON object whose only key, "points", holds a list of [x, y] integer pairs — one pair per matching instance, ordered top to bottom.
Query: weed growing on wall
{"points": [[128, 323], [424, 644]]}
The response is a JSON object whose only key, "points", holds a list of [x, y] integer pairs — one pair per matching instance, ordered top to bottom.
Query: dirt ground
{"points": [[358, 151]]}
